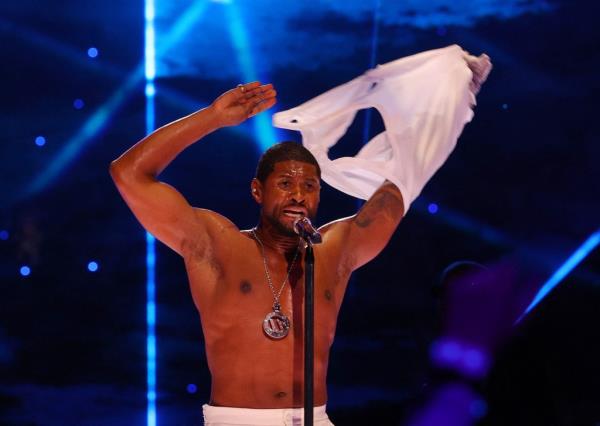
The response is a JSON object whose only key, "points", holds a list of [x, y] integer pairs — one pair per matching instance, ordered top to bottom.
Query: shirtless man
{"points": [[235, 275]]}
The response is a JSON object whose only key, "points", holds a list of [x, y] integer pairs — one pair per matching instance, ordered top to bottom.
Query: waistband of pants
{"points": [[267, 416]]}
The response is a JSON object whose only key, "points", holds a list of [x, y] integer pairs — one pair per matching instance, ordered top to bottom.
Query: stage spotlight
{"points": [[92, 52], [150, 90], [78, 104], [505, 106], [40, 141], [432, 208], [4, 235], [92, 266], [25, 270], [192, 388]]}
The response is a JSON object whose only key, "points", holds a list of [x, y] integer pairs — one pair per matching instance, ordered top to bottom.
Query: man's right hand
{"points": [[237, 105], [159, 207]]}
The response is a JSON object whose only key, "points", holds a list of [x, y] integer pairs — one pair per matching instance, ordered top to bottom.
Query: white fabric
{"points": [[424, 99], [231, 416]]}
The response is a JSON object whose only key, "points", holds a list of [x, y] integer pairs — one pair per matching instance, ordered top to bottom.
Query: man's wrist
{"points": [[213, 118], [204, 121]]}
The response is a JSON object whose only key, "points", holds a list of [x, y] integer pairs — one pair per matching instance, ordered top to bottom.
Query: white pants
{"points": [[229, 416]]}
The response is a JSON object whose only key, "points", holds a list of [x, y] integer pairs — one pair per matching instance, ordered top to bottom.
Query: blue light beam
{"points": [[372, 61], [150, 74], [102, 116], [263, 130], [571, 263]]}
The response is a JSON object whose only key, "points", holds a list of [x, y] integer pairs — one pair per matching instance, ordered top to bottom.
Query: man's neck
{"points": [[275, 239]]}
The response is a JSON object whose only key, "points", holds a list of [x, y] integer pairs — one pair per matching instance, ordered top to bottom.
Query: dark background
{"points": [[524, 179]]}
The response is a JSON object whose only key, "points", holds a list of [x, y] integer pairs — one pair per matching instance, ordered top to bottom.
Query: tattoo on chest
{"points": [[245, 287], [328, 294]]}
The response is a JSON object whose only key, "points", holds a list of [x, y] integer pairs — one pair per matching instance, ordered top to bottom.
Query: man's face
{"points": [[291, 191]]}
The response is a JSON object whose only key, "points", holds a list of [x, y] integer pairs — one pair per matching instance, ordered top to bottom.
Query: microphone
{"points": [[305, 229]]}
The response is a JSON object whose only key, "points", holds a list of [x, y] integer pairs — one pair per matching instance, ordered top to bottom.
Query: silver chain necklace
{"points": [[275, 325]]}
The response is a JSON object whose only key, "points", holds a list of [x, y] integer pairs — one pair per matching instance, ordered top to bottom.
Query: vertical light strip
{"points": [[372, 60], [150, 72], [575, 259], [150, 330]]}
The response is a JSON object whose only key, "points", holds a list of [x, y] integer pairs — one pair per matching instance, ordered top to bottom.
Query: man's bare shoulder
{"points": [[215, 222], [336, 229], [210, 233], [334, 234], [335, 247]]}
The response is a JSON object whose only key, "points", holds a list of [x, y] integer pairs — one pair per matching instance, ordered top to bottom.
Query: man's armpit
{"points": [[200, 252]]}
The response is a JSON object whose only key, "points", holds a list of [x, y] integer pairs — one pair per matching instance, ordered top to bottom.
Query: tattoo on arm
{"points": [[385, 202]]}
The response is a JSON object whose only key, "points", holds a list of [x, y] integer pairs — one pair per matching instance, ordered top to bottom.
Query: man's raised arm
{"points": [[161, 209], [364, 235]]}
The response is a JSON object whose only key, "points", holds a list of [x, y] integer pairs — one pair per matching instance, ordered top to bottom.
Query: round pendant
{"points": [[276, 325]]}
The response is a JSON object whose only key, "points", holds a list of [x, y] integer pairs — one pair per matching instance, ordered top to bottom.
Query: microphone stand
{"points": [[304, 228], [309, 331]]}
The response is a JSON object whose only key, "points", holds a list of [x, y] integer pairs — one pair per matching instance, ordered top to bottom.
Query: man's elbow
{"points": [[116, 171], [121, 174], [127, 177]]}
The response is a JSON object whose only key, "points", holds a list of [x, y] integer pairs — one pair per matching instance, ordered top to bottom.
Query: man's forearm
{"points": [[150, 156]]}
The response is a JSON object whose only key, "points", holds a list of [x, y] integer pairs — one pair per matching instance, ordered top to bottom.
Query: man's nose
{"points": [[298, 193]]}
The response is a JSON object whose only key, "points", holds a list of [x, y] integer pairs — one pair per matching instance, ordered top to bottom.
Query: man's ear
{"points": [[256, 190]]}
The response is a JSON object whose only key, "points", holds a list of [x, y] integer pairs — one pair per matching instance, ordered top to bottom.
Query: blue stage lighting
{"points": [[441, 31], [92, 52], [372, 63], [150, 73], [150, 90], [78, 103], [505, 106], [100, 118], [89, 129], [263, 130], [40, 141], [432, 208], [4, 235], [571, 263], [93, 266], [25, 270], [150, 330], [451, 351], [474, 359], [192, 388], [478, 408]]}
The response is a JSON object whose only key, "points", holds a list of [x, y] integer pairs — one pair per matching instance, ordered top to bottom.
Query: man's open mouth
{"points": [[294, 213]]}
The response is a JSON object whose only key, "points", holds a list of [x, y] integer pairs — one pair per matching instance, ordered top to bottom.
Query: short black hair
{"points": [[283, 151]]}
